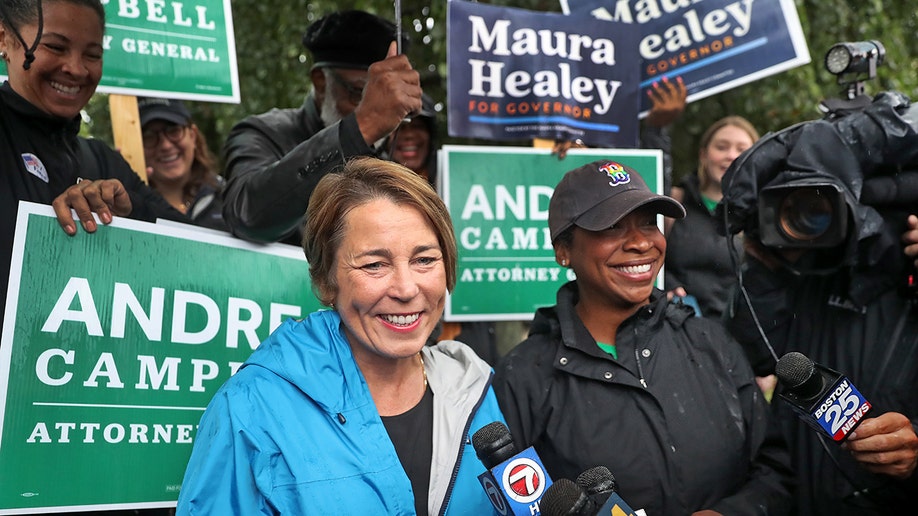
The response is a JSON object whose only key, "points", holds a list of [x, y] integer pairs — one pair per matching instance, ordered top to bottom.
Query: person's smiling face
{"points": [[68, 60], [412, 145], [726, 145], [172, 151], [617, 266], [391, 280]]}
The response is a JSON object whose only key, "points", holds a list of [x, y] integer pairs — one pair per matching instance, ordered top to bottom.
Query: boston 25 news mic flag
{"points": [[824, 399], [515, 482]]}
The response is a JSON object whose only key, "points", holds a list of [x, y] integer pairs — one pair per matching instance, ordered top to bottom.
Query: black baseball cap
{"points": [[169, 110], [599, 194]]}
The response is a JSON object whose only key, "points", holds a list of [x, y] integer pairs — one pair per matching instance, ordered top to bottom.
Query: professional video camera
{"points": [[828, 185], [809, 212]]}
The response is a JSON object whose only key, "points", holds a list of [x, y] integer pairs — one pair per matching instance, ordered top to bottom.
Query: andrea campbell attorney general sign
{"points": [[113, 344]]}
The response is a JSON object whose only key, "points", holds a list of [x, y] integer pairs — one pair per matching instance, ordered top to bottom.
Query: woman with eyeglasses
{"points": [[53, 55], [180, 165]]}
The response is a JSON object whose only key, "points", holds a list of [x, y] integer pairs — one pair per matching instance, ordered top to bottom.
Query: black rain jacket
{"points": [[28, 134], [697, 256], [845, 307], [874, 344], [693, 438]]}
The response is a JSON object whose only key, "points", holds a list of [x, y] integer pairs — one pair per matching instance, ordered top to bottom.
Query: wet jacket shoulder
{"points": [[60, 159], [273, 162], [296, 431], [696, 437]]}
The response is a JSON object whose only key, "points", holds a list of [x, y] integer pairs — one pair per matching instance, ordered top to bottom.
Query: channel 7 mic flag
{"points": [[825, 399], [514, 482]]}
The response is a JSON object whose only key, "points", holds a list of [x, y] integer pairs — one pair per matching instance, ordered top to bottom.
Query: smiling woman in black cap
{"points": [[180, 165], [614, 375]]}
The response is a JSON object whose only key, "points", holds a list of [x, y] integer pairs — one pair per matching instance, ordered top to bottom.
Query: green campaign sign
{"points": [[184, 50], [498, 199], [113, 344]]}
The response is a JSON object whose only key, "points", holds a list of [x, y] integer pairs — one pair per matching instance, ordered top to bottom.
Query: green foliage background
{"points": [[273, 65]]}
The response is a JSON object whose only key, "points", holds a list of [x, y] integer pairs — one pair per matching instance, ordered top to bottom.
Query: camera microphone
{"points": [[891, 190], [824, 399], [514, 482]]}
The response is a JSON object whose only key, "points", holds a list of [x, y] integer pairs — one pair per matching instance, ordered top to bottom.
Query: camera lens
{"points": [[805, 214]]}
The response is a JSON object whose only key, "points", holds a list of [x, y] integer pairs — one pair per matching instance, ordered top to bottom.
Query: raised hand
{"points": [[392, 93]]}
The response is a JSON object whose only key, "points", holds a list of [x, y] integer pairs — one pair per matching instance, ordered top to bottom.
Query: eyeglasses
{"points": [[354, 92], [174, 133]]}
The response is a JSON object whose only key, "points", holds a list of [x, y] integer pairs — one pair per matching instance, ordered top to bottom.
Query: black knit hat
{"points": [[349, 39]]}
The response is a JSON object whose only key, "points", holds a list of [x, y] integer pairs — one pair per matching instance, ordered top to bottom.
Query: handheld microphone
{"points": [[824, 399], [514, 482], [600, 485], [592, 495], [565, 498]]}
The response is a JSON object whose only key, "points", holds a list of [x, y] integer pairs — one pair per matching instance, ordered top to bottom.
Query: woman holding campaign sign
{"points": [[52, 50], [614, 375], [347, 411]]}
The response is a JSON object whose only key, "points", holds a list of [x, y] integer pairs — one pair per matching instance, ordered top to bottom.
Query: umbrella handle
{"points": [[398, 26]]}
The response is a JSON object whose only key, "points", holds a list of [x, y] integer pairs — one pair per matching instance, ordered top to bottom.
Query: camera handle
{"points": [[833, 108]]}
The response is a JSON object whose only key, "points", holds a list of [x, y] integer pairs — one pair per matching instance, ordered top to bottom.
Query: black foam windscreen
{"points": [[794, 369], [798, 374], [493, 444], [597, 480], [563, 497]]}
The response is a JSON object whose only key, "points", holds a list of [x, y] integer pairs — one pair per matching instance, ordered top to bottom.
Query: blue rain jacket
{"points": [[295, 431]]}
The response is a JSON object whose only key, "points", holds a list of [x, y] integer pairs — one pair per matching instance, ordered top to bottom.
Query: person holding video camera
{"points": [[831, 237]]}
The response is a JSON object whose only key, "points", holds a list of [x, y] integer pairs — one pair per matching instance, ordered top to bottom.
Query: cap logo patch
{"points": [[616, 173]]}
